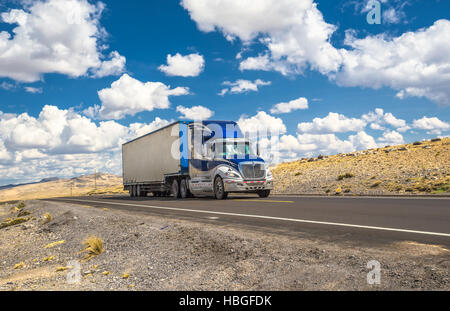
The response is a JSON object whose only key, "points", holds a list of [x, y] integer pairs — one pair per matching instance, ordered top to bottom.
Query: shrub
{"points": [[436, 140], [417, 143], [346, 175], [376, 184], [21, 205], [23, 213], [47, 218], [13, 222], [55, 244], [93, 247]]}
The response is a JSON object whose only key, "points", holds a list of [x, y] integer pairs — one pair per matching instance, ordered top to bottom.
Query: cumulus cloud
{"points": [[292, 30], [55, 36], [296, 37], [415, 63], [185, 66], [113, 67], [242, 86], [128, 96], [296, 104], [195, 113], [378, 117], [262, 123], [333, 123], [433, 125], [141, 129], [391, 138], [362, 141], [62, 143], [313, 144]]}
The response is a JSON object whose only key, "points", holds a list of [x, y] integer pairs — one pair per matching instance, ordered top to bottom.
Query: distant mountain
{"points": [[30, 183]]}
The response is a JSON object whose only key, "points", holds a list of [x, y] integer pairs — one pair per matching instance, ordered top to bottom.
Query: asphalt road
{"points": [[366, 220]]}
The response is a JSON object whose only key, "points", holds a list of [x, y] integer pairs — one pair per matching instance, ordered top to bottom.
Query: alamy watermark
{"points": [[374, 15], [74, 274], [374, 275]]}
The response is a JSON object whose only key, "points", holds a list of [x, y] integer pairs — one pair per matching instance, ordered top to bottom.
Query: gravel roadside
{"points": [[143, 252]]}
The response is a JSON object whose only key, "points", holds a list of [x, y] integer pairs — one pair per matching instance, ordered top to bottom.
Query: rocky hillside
{"points": [[418, 168], [83, 185]]}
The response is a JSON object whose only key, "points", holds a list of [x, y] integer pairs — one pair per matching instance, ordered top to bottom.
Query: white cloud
{"points": [[392, 16], [293, 30], [54, 36], [296, 37], [263, 62], [415, 63], [185, 66], [113, 67], [7, 86], [242, 86], [33, 90], [128, 96], [296, 104], [195, 113], [378, 118], [262, 123], [333, 123], [433, 125], [141, 129], [391, 138], [362, 141], [62, 143], [313, 144]]}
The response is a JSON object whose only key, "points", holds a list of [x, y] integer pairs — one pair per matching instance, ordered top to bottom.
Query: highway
{"points": [[367, 220]]}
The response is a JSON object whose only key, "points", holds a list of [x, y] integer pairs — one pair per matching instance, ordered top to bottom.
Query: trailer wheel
{"points": [[175, 189], [219, 189], [138, 191], [184, 191]]}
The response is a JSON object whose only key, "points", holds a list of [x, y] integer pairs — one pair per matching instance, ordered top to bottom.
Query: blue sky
{"points": [[402, 67]]}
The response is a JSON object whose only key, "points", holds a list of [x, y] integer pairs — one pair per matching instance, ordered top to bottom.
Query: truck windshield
{"points": [[231, 149]]}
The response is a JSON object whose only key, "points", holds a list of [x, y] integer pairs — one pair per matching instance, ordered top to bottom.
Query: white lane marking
{"points": [[359, 197], [266, 217]]}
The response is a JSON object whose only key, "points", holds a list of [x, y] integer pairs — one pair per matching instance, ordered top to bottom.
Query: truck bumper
{"points": [[233, 185]]}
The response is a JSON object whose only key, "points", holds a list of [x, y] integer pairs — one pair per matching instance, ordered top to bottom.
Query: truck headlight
{"points": [[268, 173], [232, 175]]}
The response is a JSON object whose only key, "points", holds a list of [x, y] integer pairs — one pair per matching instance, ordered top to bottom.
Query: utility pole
{"points": [[95, 180], [71, 188]]}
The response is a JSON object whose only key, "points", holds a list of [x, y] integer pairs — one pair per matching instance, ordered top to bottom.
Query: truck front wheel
{"points": [[175, 189], [219, 189], [264, 193]]}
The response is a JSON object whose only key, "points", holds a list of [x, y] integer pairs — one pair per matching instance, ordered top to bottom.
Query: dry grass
{"points": [[47, 217], [12, 222], [51, 245], [93, 246]]}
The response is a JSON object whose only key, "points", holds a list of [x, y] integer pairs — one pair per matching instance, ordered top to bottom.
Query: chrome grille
{"points": [[253, 170]]}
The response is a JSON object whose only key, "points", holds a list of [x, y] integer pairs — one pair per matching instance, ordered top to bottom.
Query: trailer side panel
{"points": [[148, 158]]}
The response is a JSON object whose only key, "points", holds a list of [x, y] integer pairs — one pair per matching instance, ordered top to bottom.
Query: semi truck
{"points": [[195, 158]]}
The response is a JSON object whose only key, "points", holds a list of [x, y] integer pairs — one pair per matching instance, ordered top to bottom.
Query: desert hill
{"points": [[418, 168], [83, 185]]}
